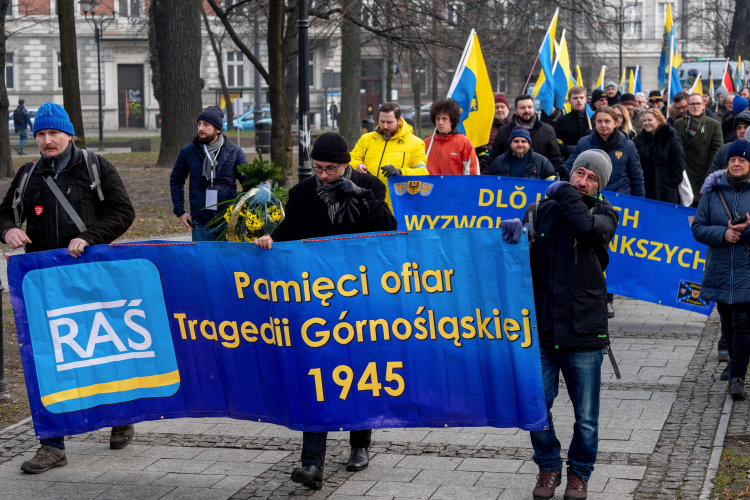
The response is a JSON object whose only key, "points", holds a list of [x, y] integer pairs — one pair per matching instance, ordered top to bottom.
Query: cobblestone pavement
{"points": [[657, 427]]}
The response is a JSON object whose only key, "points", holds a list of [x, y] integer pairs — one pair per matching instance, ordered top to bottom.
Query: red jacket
{"points": [[452, 154]]}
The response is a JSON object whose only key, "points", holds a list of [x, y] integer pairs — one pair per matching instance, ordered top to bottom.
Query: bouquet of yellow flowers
{"points": [[251, 215]]}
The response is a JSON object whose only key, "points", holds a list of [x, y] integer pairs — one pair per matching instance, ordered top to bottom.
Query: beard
{"points": [[387, 135], [208, 138], [519, 154]]}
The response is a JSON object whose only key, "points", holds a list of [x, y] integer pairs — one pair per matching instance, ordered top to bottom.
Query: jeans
{"points": [[23, 138], [203, 233], [735, 323], [583, 375], [58, 442], [314, 445]]}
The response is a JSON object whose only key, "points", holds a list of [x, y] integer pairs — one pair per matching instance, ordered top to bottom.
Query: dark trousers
{"points": [[610, 298], [735, 323], [58, 442], [314, 445]]}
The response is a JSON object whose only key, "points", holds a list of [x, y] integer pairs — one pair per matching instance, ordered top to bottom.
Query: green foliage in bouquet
{"points": [[259, 171], [250, 215]]}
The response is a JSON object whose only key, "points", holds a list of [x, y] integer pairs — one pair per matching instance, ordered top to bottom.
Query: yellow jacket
{"points": [[404, 150]]}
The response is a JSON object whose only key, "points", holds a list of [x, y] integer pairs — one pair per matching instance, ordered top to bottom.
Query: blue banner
{"points": [[653, 256], [372, 331]]}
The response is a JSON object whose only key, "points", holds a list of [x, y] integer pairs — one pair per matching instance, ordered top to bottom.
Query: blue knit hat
{"points": [[739, 104], [213, 115], [52, 116], [519, 132], [739, 148]]}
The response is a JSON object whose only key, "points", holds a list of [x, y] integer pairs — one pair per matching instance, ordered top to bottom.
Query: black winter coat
{"points": [[727, 127], [569, 130], [543, 141], [662, 162], [539, 167], [307, 214], [53, 228], [568, 260]]}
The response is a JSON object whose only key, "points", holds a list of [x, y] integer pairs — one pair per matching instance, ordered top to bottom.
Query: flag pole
{"points": [[669, 81], [526, 85]]}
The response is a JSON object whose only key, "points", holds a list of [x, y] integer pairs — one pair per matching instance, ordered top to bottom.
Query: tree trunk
{"points": [[739, 37], [290, 46], [178, 47], [153, 54], [69, 65], [351, 74], [222, 80], [415, 91], [281, 129], [6, 164]]}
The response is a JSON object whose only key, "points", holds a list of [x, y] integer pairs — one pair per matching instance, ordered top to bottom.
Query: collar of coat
{"points": [[45, 163]]}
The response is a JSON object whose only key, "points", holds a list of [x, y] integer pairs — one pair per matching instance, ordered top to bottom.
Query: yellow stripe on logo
{"points": [[116, 386]]}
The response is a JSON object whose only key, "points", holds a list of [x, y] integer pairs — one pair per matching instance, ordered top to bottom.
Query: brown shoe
{"points": [[121, 436], [47, 457], [546, 482], [577, 488]]}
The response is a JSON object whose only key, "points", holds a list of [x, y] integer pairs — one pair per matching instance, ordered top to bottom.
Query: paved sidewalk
{"points": [[657, 426]]}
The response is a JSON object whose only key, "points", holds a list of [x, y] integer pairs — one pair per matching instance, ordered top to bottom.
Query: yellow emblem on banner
{"points": [[618, 154], [413, 187], [400, 188], [426, 189]]}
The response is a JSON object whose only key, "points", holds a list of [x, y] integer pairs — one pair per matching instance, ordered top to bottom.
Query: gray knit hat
{"points": [[598, 162]]}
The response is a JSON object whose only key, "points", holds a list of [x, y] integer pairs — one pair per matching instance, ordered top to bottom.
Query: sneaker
{"points": [[610, 310], [723, 356], [725, 374], [737, 388], [121, 436], [47, 457], [546, 482], [577, 488]]}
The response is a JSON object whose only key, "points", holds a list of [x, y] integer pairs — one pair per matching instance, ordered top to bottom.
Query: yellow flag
{"points": [[579, 78], [622, 80], [600, 81], [631, 85], [697, 86]]}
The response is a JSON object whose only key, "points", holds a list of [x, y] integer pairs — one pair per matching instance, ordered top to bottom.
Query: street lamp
{"points": [[90, 7]]}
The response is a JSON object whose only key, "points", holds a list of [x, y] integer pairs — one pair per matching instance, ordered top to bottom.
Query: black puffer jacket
{"points": [[543, 141], [662, 162], [307, 214], [52, 227], [568, 260]]}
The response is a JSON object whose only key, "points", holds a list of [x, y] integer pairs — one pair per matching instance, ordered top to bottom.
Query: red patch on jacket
{"points": [[38, 210]]}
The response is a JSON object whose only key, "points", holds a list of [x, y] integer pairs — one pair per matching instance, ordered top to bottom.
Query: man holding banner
{"points": [[336, 200], [571, 231]]}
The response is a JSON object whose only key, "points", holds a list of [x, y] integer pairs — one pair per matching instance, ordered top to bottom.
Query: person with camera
{"points": [[337, 200], [721, 222]]}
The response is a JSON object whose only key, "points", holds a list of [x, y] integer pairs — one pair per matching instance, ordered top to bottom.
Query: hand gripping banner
{"points": [[653, 255], [427, 329]]}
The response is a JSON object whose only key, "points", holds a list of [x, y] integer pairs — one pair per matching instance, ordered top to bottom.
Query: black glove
{"points": [[389, 170], [340, 189], [347, 210]]}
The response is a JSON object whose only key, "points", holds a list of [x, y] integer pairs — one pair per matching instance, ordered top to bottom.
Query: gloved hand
{"points": [[389, 170], [552, 188], [340, 189], [347, 210], [511, 230]]}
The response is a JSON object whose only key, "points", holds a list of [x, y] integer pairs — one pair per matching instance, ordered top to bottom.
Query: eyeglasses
{"points": [[695, 104], [329, 171]]}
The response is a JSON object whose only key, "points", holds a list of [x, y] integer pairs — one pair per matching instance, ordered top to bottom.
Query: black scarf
{"points": [[610, 143], [739, 182], [322, 191]]}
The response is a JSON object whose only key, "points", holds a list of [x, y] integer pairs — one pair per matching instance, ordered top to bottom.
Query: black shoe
{"points": [[610, 310], [725, 374], [737, 388], [121, 436], [358, 460], [311, 476]]}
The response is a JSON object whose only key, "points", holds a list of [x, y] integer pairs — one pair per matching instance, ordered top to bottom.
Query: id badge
{"points": [[212, 197]]}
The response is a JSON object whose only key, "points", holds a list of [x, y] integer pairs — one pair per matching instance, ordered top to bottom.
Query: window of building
{"points": [[130, 8], [9, 11], [453, 11], [661, 15], [633, 21], [235, 69], [311, 69], [9, 71], [59, 71], [501, 85]]}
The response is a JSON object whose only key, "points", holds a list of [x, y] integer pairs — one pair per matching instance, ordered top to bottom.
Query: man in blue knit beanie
{"points": [[98, 212]]}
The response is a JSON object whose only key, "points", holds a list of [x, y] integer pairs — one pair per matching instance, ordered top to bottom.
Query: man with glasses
{"points": [[678, 108], [701, 139], [336, 200]]}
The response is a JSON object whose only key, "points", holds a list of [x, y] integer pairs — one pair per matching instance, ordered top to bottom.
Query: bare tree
{"points": [[739, 37], [69, 67], [351, 70], [222, 81], [6, 164]]}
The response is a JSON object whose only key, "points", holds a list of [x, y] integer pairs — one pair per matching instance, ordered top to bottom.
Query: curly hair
{"points": [[447, 106]]}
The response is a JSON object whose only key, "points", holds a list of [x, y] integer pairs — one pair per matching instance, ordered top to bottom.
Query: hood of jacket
{"points": [[742, 116], [713, 181]]}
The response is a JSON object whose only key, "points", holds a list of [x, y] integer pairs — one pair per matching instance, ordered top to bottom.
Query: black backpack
{"points": [[18, 116]]}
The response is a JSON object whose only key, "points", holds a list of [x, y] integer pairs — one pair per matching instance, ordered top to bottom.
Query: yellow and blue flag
{"points": [[667, 56], [737, 76], [563, 79], [600, 81], [622, 82], [635, 82], [711, 84], [675, 85], [697, 87], [544, 89], [472, 90]]}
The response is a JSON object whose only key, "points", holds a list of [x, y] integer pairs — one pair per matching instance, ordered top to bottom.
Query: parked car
{"points": [[408, 115], [246, 121], [12, 126]]}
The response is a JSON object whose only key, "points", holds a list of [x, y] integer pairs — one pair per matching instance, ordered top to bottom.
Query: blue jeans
{"points": [[23, 138], [203, 233], [583, 376], [58, 442]]}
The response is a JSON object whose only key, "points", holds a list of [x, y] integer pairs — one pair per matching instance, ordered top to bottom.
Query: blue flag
{"points": [[546, 93]]}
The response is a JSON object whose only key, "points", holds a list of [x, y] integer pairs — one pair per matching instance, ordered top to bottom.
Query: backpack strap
{"points": [[92, 164], [18, 195], [65, 204]]}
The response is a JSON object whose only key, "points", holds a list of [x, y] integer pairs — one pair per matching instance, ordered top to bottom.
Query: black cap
{"points": [[597, 94], [655, 96], [627, 98], [213, 115], [331, 147]]}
